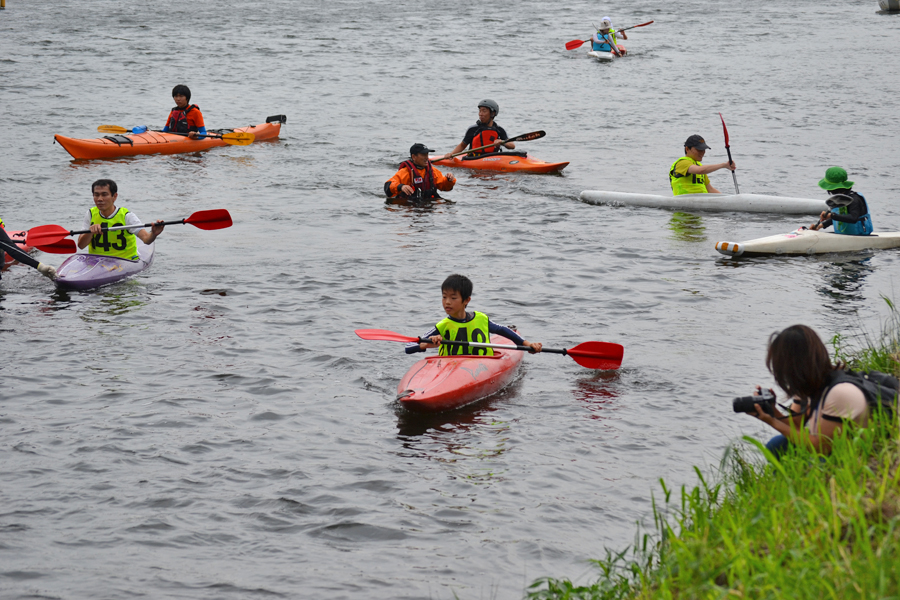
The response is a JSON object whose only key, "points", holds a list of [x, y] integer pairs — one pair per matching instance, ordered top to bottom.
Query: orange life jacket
{"points": [[486, 135]]}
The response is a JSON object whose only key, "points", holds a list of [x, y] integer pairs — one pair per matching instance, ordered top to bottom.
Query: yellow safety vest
{"points": [[691, 183], [1, 224], [121, 243], [475, 330]]}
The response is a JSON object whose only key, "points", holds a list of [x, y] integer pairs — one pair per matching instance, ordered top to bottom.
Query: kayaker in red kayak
{"points": [[185, 117], [484, 131], [688, 175], [417, 179], [121, 243], [9, 246], [463, 326]]}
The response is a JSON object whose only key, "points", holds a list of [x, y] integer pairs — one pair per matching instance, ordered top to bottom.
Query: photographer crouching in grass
{"points": [[824, 396]]}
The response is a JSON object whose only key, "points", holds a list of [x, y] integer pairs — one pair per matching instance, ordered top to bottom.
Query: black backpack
{"points": [[880, 389]]}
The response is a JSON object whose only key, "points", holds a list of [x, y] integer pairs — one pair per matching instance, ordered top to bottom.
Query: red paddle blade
{"points": [[641, 25], [574, 44], [724, 129], [210, 219], [45, 235], [60, 247], [384, 335], [598, 355]]}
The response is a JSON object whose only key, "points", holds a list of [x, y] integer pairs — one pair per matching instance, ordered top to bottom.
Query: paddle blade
{"points": [[641, 25], [577, 43], [112, 129], [725, 129], [527, 137], [238, 138], [210, 219], [45, 235], [63, 246], [384, 335], [598, 355]]}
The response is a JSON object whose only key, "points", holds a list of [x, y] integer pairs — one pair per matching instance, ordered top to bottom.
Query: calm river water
{"points": [[214, 429]]}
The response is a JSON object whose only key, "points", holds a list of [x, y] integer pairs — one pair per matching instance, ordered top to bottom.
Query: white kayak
{"points": [[602, 56], [755, 203], [806, 241]]}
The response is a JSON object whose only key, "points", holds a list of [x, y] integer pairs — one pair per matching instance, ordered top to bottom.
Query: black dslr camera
{"points": [[745, 404]]}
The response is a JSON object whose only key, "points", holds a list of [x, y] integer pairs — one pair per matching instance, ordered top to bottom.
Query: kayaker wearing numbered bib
{"points": [[600, 40], [185, 117], [484, 131], [688, 175], [417, 179], [849, 212], [120, 243], [9, 246], [462, 326]]}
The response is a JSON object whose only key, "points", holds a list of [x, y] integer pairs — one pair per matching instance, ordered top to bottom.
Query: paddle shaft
{"points": [[614, 47], [519, 138], [737, 190], [119, 227], [501, 346]]}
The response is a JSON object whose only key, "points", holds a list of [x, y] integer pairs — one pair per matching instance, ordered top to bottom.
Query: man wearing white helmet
{"points": [[606, 33], [485, 131]]}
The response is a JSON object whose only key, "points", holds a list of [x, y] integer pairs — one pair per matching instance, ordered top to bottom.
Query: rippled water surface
{"points": [[213, 428]]}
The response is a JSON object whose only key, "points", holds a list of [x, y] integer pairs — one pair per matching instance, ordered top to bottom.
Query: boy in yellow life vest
{"points": [[688, 175], [104, 214], [463, 326]]}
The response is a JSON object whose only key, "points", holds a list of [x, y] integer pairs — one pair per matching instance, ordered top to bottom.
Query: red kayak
{"points": [[507, 162], [19, 238], [440, 383]]}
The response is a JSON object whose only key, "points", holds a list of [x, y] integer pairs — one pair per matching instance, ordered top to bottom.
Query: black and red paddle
{"points": [[578, 43], [728, 149], [51, 238], [592, 355]]}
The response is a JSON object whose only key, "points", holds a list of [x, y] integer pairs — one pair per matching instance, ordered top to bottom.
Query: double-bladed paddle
{"points": [[578, 43], [525, 137], [235, 138], [728, 149], [51, 238], [592, 355]]}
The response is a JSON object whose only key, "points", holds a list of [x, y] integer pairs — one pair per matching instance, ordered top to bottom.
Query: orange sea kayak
{"points": [[132, 144], [504, 161], [19, 238], [440, 383]]}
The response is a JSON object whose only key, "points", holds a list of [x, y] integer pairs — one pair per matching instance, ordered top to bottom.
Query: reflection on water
{"points": [[686, 227], [844, 280], [115, 300], [598, 393]]}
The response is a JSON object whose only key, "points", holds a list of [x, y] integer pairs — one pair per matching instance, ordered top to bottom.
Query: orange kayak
{"points": [[151, 142], [507, 162], [19, 238], [440, 383]]}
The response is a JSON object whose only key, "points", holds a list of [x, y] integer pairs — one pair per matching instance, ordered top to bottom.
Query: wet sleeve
{"points": [[195, 121], [470, 135], [441, 182], [392, 185], [505, 332], [413, 347]]}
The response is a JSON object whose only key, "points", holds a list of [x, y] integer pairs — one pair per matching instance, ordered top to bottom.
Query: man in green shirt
{"points": [[688, 175]]}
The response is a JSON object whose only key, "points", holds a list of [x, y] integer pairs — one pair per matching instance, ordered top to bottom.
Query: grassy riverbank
{"points": [[802, 527]]}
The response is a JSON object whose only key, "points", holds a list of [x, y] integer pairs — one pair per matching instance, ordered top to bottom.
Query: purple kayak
{"points": [[89, 271]]}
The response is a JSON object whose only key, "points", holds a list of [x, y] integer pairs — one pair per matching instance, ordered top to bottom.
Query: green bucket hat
{"points": [[835, 179]]}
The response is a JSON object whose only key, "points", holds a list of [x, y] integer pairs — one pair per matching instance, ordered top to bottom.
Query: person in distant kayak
{"points": [[606, 33], [185, 117], [484, 131], [688, 175], [417, 179], [849, 212], [104, 214], [9, 246], [463, 326]]}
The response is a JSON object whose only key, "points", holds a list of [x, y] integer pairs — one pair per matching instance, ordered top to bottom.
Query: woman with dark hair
{"points": [[185, 118], [799, 361]]}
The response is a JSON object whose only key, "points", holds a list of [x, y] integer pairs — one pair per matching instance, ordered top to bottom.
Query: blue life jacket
{"points": [[599, 45], [861, 227]]}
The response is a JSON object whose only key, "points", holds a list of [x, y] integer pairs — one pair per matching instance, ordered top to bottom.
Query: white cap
{"points": [[605, 23]]}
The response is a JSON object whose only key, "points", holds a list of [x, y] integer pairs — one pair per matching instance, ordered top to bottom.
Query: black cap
{"points": [[695, 141], [419, 149]]}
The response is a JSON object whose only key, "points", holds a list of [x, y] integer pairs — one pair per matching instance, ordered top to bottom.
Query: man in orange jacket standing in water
{"points": [[417, 179]]}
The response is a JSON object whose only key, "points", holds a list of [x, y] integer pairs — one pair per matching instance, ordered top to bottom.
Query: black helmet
{"points": [[490, 105]]}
